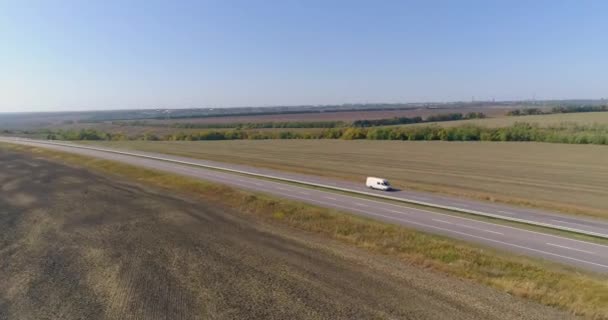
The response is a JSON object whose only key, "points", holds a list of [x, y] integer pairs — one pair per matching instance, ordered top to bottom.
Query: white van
{"points": [[378, 184]]}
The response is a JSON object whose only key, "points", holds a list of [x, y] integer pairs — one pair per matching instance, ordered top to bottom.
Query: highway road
{"points": [[519, 214], [528, 215], [582, 254]]}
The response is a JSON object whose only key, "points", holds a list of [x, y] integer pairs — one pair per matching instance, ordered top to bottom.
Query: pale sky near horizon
{"points": [[80, 55]]}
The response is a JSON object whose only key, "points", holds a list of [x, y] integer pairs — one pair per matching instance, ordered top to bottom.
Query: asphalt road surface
{"points": [[586, 255]]}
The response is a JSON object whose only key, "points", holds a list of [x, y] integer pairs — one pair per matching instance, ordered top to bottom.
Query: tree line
{"points": [[558, 109], [572, 109], [307, 124], [237, 125], [563, 133]]}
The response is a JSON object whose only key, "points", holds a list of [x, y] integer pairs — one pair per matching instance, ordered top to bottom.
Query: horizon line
{"points": [[309, 105]]}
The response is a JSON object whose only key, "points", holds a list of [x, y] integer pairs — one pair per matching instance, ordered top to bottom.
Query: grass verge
{"points": [[551, 284]]}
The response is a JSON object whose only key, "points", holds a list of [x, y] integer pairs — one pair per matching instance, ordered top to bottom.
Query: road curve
{"points": [[582, 254]]}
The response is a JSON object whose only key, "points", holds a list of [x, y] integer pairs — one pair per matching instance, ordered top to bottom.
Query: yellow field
{"points": [[582, 118], [567, 178]]}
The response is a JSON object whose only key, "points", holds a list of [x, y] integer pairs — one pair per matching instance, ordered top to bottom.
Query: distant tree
{"points": [[354, 133]]}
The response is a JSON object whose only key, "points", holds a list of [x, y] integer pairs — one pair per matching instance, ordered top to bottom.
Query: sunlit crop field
{"points": [[583, 118]]}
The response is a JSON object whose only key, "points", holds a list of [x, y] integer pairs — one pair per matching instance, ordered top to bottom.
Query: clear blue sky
{"points": [[76, 55]]}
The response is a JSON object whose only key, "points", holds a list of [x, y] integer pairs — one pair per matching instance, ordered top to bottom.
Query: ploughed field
{"points": [[346, 116], [162, 127], [562, 177], [76, 245]]}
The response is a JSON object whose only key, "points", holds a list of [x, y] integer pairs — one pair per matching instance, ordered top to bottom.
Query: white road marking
{"points": [[281, 188], [304, 193], [330, 198], [421, 198], [361, 204], [396, 211], [506, 212], [455, 217], [442, 221], [478, 221], [578, 224], [465, 226], [465, 234], [518, 246], [564, 247]]}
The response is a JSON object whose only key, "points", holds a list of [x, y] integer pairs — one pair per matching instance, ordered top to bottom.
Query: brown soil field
{"points": [[340, 116], [58, 121], [129, 130], [160, 131], [163, 131], [561, 177], [76, 245]]}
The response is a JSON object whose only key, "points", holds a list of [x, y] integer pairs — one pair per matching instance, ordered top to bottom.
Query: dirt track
{"points": [[74, 245]]}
